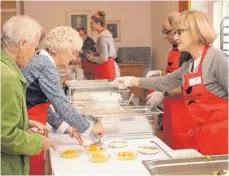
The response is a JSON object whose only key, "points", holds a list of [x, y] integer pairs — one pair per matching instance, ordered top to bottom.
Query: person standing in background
{"points": [[88, 44], [102, 63]]}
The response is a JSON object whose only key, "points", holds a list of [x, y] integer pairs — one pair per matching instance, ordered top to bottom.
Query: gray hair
{"points": [[172, 17], [19, 27], [62, 37]]}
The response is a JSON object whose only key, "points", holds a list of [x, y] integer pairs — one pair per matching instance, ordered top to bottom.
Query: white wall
{"points": [[134, 17], [140, 21], [160, 46]]}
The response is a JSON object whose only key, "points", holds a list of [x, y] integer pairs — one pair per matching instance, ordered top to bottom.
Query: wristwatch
{"points": [[166, 94]]}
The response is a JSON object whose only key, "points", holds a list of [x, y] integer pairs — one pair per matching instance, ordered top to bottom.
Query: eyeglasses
{"points": [[179, 31], [166, 33]]}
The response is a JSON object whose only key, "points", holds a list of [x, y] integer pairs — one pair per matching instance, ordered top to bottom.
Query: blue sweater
{"points": [[43, 85]]}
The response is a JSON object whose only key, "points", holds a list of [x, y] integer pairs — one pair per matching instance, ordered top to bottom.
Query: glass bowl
{"points": [[118, 143], [95, 148], [148, 150], [70, 153], [127, 155], [100, 157]]}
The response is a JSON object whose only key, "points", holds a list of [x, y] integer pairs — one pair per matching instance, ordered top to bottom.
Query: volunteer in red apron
{"points": [[102, 64], [205, 84], [209, 112], [173, 131]]}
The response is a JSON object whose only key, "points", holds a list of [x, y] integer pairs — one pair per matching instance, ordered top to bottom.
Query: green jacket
{"points": [[16, 143]]}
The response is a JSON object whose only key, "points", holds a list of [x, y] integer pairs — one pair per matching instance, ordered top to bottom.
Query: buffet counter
{"points": [[83, 166]]}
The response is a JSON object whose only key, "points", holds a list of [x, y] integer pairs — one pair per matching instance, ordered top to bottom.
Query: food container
{"points": [[105, 100], [118, 143], [96, 148], [148, 150], [70, 153], [127, 155], [101, 157], [188, 166]]}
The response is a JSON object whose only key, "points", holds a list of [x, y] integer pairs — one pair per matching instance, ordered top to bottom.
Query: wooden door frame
{"points": [[184, 5]]}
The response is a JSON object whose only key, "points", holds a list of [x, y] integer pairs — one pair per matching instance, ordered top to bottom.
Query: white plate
{"points": [[118, 144], [148, 150]]}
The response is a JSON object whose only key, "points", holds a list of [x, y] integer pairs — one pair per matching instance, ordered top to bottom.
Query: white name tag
{"points": [[195, 81]]}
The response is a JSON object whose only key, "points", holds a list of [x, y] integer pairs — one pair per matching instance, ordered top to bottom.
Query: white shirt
{"points": [[45, 53], [195, 66]]}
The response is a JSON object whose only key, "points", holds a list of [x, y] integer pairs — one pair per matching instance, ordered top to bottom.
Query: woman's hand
{"points": [[90, 57], [123, 82], [36, 126], [98, 129], [74, 133], [47, 143]]}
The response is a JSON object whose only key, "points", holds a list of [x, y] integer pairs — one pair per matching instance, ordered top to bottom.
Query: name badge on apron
{"points": [[195, 81]]}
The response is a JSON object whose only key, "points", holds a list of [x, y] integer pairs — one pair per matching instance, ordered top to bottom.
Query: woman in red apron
{"points": [[101, 64], [206, 100], [209, 135]]}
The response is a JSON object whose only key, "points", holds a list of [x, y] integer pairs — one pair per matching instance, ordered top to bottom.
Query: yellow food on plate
{"points": [[95, 148], [70, 154], [126, 156], [99, 157]]}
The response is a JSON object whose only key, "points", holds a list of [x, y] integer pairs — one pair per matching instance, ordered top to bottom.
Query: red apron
{"points": [[173, 63], [99, 71], [175, 128], [209, 135], [37, 162]]}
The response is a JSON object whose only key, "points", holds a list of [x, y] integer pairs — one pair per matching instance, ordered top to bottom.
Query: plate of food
{"points": [[118, 144], [95, 148], [148, 150], [70, 153], [127, 156], [100, 157]]}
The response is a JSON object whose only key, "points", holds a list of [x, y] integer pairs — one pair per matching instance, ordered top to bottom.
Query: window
{"points": [[221, 24]]}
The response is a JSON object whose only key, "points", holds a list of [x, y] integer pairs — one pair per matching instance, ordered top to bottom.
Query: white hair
{"points": [[20, 27], [62, 38]]}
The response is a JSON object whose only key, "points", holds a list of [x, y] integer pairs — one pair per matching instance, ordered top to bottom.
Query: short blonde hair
{"points": [[198, 25], [62, 38]]}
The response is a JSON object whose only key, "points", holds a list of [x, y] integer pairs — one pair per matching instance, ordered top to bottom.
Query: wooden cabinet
{"points": [[136, 70]]}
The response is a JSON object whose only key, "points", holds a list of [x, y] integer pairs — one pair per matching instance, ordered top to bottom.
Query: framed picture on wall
{"points": [[79, 19], [114, 28]]}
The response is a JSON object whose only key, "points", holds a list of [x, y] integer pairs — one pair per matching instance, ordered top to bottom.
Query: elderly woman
{"points": [[20, 36], [43, 83], [205, 84]]}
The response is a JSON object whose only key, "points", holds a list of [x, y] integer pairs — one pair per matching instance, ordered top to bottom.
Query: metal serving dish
{"points": [[85, 82], [75, 91], [83, 96], [131, 110], [122, 112], [187, 166]]}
